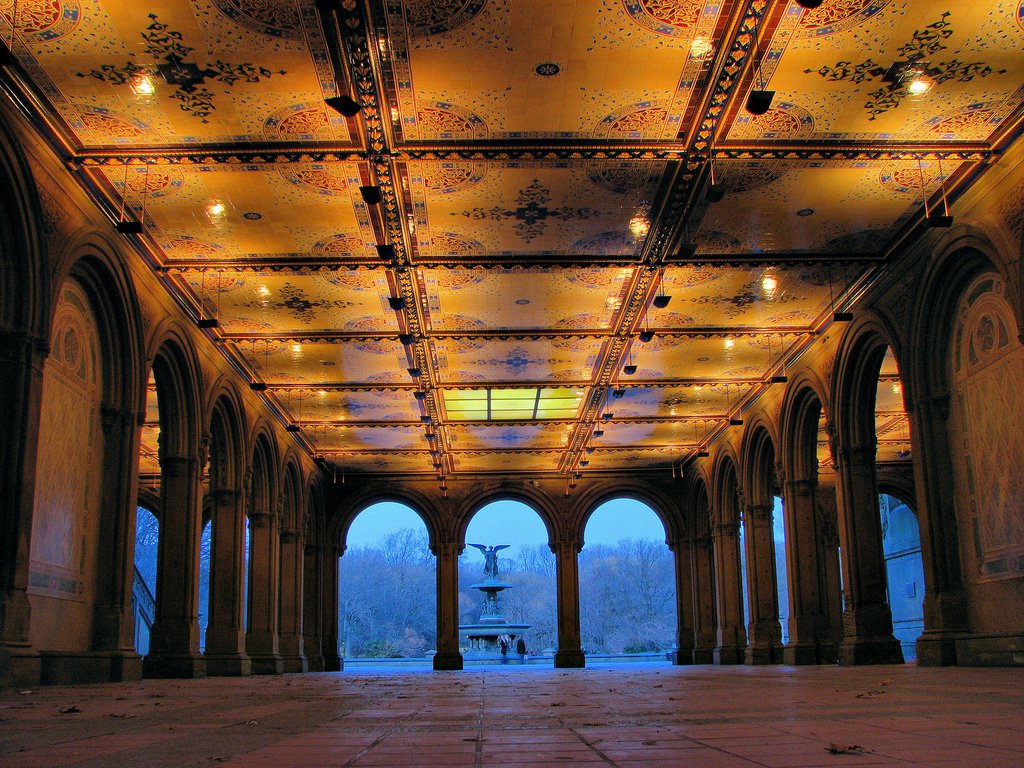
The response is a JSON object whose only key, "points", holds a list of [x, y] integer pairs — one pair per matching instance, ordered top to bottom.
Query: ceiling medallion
{"points": [[547, 69]]}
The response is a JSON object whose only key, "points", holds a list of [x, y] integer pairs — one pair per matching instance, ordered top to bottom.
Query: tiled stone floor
{"points": [[628, 715]]}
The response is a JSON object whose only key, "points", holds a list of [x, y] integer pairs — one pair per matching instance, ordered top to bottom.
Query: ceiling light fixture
{"points": [[809, 4], [759, 100], [344, 104], [714, 192], [371, 194], [942, 220], [127, 226], [386, 251], [396, 302], [838, 316], [209, 322], [405, 338], [414, 372], [619, 392], [420, 394], [598, 432]]}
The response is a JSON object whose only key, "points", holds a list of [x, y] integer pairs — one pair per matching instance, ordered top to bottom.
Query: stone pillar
{"points": [[21, 387], [828, 532], [292, 548], [567, 569], [683, 569], [702, 580], [312, 602], [945, 602], [329, 610], [867, 619], [113, 627], [225, 633], [764, 633], [732, 636], [174, 638], [261, 639], [809, 640], [448, 656]]}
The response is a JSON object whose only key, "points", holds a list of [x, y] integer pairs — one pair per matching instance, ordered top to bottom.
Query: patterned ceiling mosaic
{"points": [[508, 260]]}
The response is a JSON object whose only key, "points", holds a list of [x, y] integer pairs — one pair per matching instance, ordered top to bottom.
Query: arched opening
{"points": [[147, 533], [205, 547], [729, 567], [904, 571], [781, 572], [627, 583], [387, 587], [522, 604], [262, 641]]}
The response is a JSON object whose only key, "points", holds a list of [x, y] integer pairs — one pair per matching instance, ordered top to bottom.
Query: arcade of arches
{"points": [[120, 387]]}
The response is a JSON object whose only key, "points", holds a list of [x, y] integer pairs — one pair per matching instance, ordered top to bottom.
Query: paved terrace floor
{"points": [[526, 716]]}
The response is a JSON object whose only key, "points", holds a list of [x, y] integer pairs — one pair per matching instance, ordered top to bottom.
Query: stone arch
{"points": [[176, 372], [802, 407], [226, 422], [760, 475], [263, 490], [726, 490], [291, 496], [535, 500], [660, 503], [337, 527], [867, 618]]}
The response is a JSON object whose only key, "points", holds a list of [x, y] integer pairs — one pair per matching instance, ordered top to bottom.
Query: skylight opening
{"points": [[495, 404]]}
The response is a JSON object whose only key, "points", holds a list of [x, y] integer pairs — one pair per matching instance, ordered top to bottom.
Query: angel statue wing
{"points": [[501, 546], [481, 547]]}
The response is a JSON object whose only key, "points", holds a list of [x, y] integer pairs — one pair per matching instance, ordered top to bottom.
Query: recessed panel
{"points": [[500, 360], [313, 363], [498, 437], [507, 462]]}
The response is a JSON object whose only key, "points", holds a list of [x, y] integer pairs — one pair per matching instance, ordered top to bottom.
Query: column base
{"points": [[936, 649], [870, 650], [992, 650], [761, 653], [728, 654], [800, 654], [703, 655], [680, 658], [570, 660], [447, 661], [316, 663], [267, 664], [296, 664], [334, 664], [183, 665], [228, 665], [19, 667], [84, 667]]}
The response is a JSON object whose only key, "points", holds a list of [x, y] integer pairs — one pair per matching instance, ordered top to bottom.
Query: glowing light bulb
{"points": [[701, 47], [142, 85], [919, 86], [215, 209], [639, 226], [769, 283], [729, 343], [897, 388]]}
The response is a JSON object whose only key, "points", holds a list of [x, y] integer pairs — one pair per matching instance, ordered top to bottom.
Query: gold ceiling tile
{"points": [[499, 360], [320, 363], [320, 405], [496, 437], [359, 438], [507, 461]]}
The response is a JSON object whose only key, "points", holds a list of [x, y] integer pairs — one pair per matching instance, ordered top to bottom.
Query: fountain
{"points": [[483, 639]]}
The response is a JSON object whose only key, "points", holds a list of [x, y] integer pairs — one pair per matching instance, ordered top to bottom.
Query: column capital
{"points": [[804, 487], [758, 513], [566, 545], [447, 546]]}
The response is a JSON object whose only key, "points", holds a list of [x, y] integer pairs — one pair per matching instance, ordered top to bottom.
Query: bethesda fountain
{"points": [[483, 640]]}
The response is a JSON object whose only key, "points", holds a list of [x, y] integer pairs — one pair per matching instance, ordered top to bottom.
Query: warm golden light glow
{"points": [[701, 47], [142, 85], [920, 86], [215, 209], [639, 226], [769, 284], [729, 343]]}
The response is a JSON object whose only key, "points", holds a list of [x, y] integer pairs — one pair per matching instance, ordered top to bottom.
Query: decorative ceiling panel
{"points": [[539, 70], [890, 70], [171, 73], [782, 206], [529, 208], [237, 211], [757, 297], [570, 300], [350, 301], [725, 357], [498, 360], [313, 363], [692, 401], [328, 406], [670, 434], [498, 437], [359, 438], [637, 458], [507, 461], [343, 463]]}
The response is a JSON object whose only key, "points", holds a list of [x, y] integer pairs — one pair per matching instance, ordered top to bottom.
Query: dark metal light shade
{"points": [[809, 4], [759, 102], [344, 104], [714, 193], [371, 195], [940, 220], [129, 227], [687, 249], [386, 252], [661, 301], [396, 302], [842, 317], [207, 322], [646, 336], [405, 338], [630, 369], [414, 372], [780, 379], [258, 386], [618, 392], [420, 395], [608, 416], [425, 419], [735, 422], [293, 428], [598, 432], [703, 453]]}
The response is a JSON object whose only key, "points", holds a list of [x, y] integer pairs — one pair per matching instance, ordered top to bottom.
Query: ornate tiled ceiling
{"points": [[544, 244]]}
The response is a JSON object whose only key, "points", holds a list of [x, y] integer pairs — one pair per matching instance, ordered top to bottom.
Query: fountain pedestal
{"points": [[483, 639]]}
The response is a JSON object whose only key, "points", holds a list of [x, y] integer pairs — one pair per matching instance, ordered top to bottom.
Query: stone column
{"points": [[21, 387], [828, 532], [292, 548], [805, 551], [567, 569], [683, 569], [702, 580], [312, 602], [945, 602], [329, 610], [867, 619], [113, 626], [225, 633], [732, 636], [174, 638], [261, 639], [448, 655]]}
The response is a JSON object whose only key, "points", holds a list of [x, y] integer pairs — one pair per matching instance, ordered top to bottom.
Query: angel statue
{"points": [[491, 558]]}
